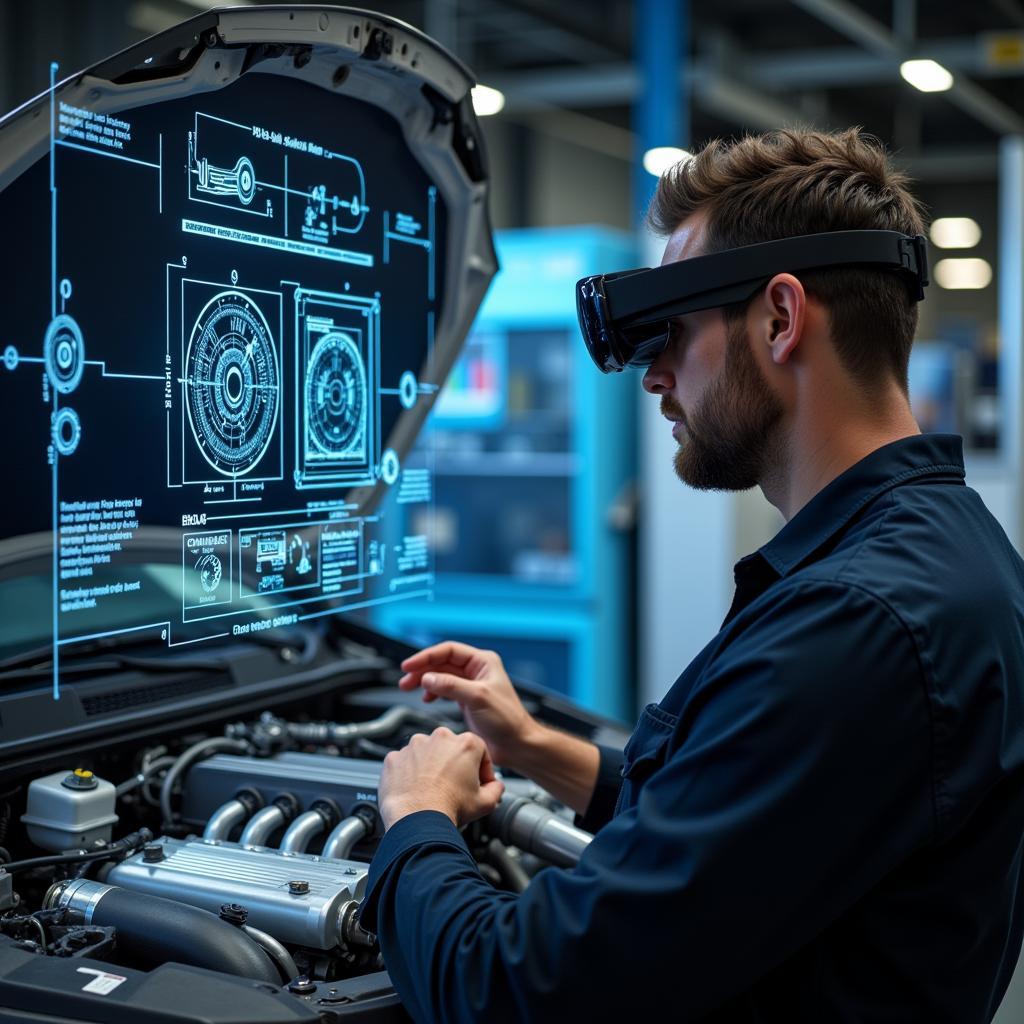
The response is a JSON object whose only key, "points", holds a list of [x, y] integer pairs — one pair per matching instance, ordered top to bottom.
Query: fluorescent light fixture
{"points": [[926, 75], [487, 101], [658, 160], [955, 233], [968, 273]]}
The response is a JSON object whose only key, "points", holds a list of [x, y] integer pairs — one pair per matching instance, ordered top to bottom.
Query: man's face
{"points": [[724, 411]]}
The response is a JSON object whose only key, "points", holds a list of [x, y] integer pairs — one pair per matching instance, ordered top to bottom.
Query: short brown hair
{"points": [[799, 182]]}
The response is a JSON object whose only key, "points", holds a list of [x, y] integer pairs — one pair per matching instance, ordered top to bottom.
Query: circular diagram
{"points": [[246, 178], [64, 353], [11, 357], [232, 383], [407, 388], [336, 397], [67, 431], [389, 467], [211, 571]]}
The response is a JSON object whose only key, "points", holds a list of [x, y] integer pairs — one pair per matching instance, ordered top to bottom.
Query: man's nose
{"points": [[659, 379]]}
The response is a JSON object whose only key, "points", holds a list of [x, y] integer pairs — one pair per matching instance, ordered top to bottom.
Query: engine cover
{"points": [[347, 781], [298, 898]]}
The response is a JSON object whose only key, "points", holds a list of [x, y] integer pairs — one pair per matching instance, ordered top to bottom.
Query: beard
{"points": [[730, 436]]}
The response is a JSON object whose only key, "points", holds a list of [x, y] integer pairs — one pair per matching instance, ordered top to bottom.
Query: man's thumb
{"points": [[442, 684]]}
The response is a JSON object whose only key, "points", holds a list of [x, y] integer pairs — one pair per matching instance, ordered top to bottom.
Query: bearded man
{"points": [[822, 819]]}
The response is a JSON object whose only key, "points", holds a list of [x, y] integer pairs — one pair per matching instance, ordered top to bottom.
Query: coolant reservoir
{"points": [[69, 809]]}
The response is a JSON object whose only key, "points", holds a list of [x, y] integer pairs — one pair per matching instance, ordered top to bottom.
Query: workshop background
{"points": [[562, 537]]}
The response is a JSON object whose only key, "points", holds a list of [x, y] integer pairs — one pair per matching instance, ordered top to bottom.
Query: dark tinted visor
{"points": [[625, 316]]}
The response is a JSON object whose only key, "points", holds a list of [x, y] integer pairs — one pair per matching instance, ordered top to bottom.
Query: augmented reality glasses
{"points": [[625, 316]]}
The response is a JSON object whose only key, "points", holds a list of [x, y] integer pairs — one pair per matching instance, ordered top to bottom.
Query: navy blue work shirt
{"points": [[821, 821]]}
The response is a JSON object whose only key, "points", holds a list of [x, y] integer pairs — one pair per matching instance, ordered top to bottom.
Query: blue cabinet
{"points": [[532, 457]]}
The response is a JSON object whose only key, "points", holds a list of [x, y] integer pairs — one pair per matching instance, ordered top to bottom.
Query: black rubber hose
{"points": [[204, 748], [511, 871], [158, 930]]}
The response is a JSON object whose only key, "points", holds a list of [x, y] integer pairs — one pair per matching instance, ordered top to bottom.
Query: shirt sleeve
{"points": [[799, 777], [606, 791]]}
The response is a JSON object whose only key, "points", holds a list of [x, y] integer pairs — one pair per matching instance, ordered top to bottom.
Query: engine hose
{"points": [[322, 733], [198, 751], [116, 849], [511, 871], [157, 930], [281, 957]]}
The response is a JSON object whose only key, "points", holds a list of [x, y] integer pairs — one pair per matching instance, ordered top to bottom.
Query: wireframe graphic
{"points": [[220, 169], [219, 181], [311, 197], [64, 353], [232, 383], [338, 400], [67, 431], [389, 467], [279, 559], [206, 567], [211, 572]]}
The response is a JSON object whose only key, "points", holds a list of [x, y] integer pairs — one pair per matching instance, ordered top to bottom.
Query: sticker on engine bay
{"points": [[103, 983]]}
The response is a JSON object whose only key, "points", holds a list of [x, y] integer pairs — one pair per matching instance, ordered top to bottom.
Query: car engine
{"points": [[242, 848]]}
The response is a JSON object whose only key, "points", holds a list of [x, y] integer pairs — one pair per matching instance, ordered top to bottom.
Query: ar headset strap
{"points": [[733, 275]]}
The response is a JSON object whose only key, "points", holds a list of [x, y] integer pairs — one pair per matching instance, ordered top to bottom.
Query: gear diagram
{"points": [[63, 353], [232, 383], [336, 397], [211, 572]]}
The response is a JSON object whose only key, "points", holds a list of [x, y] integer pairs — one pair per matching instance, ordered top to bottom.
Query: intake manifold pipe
{"points": [[227, 817], [263, 824], [306, 827], [535, 829], [347, 833], [157, 930]]}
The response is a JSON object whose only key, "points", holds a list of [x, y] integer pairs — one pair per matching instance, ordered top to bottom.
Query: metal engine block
{"points": [[298, 898]]}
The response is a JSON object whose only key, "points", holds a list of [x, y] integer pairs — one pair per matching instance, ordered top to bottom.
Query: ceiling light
{"points": [[926, 75], [487, 101], [658, 160], [955, 232], [970, 273]]}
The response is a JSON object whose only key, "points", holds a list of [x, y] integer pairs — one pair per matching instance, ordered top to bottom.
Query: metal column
{"points": [[662, 111], [686, 538]]}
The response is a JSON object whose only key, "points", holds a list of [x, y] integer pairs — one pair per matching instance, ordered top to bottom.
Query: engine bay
{"points": [[239, 849]]}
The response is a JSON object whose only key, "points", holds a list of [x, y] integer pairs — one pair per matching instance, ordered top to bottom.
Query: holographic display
{"points": [[205, 365]]}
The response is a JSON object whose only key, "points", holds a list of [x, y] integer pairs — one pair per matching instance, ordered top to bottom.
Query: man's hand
{"points": [[476, 680], [440, 772]]}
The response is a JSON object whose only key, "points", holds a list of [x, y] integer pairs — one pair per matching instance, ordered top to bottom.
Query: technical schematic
{"points": [[311, 198], [230, 383], [337, 407], [215, 415]]}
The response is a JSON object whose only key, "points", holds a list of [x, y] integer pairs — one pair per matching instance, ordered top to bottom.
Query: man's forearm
{"points": [[564, 765]]}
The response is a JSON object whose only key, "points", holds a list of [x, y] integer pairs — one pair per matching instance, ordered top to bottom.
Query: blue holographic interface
{"points": [[203, 368]]}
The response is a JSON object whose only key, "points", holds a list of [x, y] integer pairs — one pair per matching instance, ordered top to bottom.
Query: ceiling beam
{"points": [[852, 22]]}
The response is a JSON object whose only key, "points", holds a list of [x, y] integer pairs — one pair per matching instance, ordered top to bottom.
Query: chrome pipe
{"points": [[225, 819], [262, 825], [535, 829], [302, 831], [344, 837]]}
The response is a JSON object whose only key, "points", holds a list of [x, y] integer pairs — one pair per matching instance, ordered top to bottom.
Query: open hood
{"points": [[248, 252]]}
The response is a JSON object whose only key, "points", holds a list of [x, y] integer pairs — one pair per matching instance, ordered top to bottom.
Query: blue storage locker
{"points": [[532, 453]]}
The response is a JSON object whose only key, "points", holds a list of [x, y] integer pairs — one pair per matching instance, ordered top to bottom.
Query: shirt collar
{"points": [[910, 458]]}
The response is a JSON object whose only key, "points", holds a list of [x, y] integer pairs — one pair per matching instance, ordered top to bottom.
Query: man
{"points": [[823, 818]]}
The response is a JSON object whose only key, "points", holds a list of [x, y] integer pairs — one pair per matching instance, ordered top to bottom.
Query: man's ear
{"points": [[785, 304]]}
